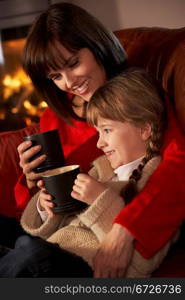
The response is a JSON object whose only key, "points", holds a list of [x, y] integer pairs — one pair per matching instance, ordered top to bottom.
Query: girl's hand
{"points": [[25, 153], [87, 189], [45, 199], [114, 254]]}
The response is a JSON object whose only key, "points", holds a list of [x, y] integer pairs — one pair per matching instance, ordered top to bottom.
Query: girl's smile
{"points": [[122, 142]]}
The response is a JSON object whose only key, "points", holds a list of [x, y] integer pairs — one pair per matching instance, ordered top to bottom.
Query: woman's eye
{"points": [[73, 63], [56, 77]]}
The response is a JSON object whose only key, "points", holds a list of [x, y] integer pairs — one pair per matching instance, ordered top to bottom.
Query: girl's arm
{"points": [[33, 224]]}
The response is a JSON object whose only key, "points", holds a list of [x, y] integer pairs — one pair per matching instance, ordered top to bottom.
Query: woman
{"points": [[92, 56], [75, 57], [130, 135]]}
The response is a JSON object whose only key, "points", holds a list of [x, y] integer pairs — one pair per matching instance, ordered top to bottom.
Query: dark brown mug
{"points": [[50, 146], [59, 183]]}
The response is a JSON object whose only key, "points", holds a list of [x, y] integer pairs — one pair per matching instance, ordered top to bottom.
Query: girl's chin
{"points": [[113, 165]]}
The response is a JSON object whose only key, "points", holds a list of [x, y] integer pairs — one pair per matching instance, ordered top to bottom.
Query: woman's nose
{"points": [[69, 80]]}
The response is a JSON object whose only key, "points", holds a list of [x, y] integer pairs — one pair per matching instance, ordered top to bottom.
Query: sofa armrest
{"points": [[9, 167]]}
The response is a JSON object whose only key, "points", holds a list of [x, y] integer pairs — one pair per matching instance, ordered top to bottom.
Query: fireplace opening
{"points": [[20, 105]]}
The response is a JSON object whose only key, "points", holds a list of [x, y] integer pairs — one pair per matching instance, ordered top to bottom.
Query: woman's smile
{"points": [[80, 75], [82, 89]]}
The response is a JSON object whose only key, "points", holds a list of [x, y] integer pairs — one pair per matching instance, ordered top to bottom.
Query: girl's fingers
{"points": [[82, 177], [40, 184], [77, 188], [76, 195], [46, 196], [49, 203]]}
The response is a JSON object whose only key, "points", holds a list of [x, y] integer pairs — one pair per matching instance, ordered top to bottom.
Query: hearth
{"points": [[20, 105]]}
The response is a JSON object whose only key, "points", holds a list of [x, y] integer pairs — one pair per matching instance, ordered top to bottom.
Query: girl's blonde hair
{"points": [[134, 97]]}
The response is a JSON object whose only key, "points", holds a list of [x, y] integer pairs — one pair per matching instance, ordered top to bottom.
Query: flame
{"points": [[20, 83], [12, 84], [17, 91], [43, 104], [30, 108], [14, 110], [2, 115], [28, 121]]}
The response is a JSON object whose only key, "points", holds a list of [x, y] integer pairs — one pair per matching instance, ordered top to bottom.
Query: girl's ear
{"points": [[146, 131]]}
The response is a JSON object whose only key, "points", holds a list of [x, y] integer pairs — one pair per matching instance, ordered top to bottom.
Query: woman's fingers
{"points": [[23, 146], [25, 153], [29, 166], [115, 252]]}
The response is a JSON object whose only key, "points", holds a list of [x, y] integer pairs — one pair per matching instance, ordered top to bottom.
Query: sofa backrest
{"points": [[160, 51], [9, 167]]}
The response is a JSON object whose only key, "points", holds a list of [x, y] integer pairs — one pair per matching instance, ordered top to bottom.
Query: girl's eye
{"points": [[106, 130]]}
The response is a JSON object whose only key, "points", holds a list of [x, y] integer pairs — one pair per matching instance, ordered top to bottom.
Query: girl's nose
{"points": [[100, 143]]}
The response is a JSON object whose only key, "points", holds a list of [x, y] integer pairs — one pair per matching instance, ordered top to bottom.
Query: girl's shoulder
{"points": [[102, 168]]}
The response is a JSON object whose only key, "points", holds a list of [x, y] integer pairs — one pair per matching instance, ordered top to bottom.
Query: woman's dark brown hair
{"points": [[74, 28], [133, 97]]}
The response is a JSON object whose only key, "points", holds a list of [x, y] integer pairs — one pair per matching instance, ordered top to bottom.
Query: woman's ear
{"points": [[146, 131]]}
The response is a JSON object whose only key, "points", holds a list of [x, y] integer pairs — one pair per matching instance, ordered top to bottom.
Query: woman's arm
{"points": [[159, 209], [114, 254]]}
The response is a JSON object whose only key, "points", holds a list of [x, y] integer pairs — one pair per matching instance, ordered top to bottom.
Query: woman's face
{"points": [[81, 75]]}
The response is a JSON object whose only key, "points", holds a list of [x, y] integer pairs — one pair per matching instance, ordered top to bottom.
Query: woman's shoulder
{"points": [[50, 120]]}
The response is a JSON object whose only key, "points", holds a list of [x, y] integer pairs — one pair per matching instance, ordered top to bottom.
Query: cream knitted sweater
{"points": [[81, 234]]}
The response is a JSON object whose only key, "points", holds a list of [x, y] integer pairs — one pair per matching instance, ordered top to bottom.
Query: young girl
{"points": [[130, 118]]}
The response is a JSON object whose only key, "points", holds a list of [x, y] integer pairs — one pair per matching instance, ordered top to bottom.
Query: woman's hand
{"points": [[25, 153], [87, 189], [45, 202], [114, 254]]}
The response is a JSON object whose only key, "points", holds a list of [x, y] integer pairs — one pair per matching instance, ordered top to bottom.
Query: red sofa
{"points": [[159, 50]]}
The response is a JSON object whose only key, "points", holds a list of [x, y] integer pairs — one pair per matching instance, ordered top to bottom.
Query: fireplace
{"points": [[20, 105]]}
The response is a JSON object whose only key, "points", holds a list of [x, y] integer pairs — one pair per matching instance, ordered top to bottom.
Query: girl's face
{"points": [[81, 75], [122, 142]]}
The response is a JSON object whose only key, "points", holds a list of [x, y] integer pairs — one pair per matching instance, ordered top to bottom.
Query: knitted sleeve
{"points": [[100, 215], [32, 223]]}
